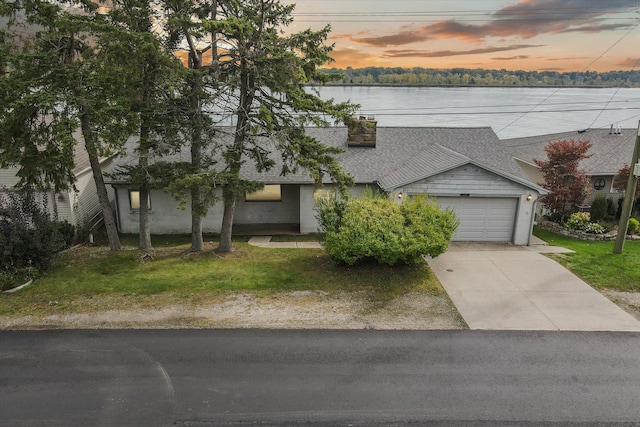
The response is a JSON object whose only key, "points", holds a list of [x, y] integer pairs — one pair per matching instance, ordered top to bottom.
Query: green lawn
{"points": [[595, 262], [88, 276]]}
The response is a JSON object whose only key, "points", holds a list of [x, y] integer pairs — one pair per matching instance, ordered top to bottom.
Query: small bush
{"points": [[598, 208], [611, 210], [578, 220], [582, 221], [633, 225], [375, 227], [593, 228], [67, 232], [11, 277]]}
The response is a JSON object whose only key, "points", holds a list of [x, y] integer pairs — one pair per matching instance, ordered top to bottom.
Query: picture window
{"points": [[270, 193]]}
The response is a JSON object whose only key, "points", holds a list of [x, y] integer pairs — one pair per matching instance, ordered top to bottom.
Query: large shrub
{"points": [[598, 208], [633, 225], [377, 228], [428, 229], [28, 235]]}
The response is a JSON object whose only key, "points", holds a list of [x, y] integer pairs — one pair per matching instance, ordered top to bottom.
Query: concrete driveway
{"points": [[500, 287]]}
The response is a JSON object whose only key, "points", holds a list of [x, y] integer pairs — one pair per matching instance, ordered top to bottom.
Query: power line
{"points": [[586, 68], [615, 93], [455, 107], [473, 113]]}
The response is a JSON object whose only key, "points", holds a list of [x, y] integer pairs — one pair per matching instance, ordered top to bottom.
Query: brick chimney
{"points": [[361, 132]]}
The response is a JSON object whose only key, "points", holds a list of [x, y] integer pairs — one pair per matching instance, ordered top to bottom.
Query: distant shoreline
{"points": [[479, 77], [474, 86]]}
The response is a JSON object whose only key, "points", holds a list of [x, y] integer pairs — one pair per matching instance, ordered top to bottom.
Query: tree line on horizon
{"points": [[418, 76]]}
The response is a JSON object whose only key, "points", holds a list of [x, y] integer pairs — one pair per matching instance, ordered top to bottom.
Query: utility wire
{"points": [[586, 68], [614, 94]]}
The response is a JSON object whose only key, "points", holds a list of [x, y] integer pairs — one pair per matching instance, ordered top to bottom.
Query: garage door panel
{"points": [[483, 219]]}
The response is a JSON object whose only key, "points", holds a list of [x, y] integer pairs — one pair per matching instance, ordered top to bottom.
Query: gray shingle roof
{"points": [[610, 152], [401, 155]]}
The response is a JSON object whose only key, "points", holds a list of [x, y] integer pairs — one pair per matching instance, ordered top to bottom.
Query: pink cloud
{"points": [[525, 19], [445, 53], [509, 58], [629, 63]]}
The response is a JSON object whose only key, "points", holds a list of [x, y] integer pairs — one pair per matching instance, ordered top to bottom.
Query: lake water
{"points": [[511, 112]]}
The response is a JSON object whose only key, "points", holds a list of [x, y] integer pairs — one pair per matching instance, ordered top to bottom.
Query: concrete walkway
{"points": [[265, 242], [500, 287]]}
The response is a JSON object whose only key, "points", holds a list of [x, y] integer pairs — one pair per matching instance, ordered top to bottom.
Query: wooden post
{"points": [[628, 199]]}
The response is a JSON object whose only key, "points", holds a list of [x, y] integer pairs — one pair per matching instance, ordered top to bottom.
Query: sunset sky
{"points": [[557, 35]]}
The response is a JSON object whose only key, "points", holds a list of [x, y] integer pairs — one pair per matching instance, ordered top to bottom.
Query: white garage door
{"points": [[483, 219]]}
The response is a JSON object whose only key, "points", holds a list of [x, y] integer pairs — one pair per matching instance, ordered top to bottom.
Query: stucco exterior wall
{"points": [[285, 211], [165, 217], [308, 221]]}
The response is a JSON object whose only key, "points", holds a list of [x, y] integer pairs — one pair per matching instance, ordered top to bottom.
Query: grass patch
{"points": [[595, 262], [93, 278]]}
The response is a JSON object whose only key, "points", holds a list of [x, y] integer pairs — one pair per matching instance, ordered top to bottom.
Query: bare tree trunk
{"points": [[90, 144], [234, 158], [143, 163], [145, 225], [226, 232], [197, 241]]}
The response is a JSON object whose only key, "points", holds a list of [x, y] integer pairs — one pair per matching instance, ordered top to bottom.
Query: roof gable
{"points": [[610, 151], [431, 161]]}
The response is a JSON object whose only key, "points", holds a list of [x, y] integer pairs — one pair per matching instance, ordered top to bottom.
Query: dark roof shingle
{"points": [[610, 151], [401, 155]]}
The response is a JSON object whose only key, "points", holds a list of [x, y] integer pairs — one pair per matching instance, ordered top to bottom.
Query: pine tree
{"points": [[266, 73], [61, 77]]}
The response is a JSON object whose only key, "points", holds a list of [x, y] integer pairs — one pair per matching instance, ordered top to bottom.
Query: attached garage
{"points": [[491, 207], [483, 219]]}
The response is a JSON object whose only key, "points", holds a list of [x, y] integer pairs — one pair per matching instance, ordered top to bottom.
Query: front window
{"points": [[270, 193], [134, 199]]}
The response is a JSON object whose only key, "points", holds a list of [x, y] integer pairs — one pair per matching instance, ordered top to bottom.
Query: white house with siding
{"points": [[611, 149], [466, 169], [77, 205]]}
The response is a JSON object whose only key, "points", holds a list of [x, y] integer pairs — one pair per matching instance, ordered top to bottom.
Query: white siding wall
{"points": [[8, 177], [468, 179], [477, 182]]}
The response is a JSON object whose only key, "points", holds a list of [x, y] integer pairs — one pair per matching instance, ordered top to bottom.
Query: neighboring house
{"points": [[611, 149], [466, 169], [79, 206]]}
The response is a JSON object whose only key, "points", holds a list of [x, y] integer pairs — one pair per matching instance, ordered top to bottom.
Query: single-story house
{"points": [[610, 148], [466, 169], [79, 206]]}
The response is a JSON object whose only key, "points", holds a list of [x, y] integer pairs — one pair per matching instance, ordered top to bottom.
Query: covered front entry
{"points": [[483, 219]]}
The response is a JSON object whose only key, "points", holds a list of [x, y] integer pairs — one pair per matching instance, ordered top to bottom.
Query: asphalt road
{"points": [[213, 377]]}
